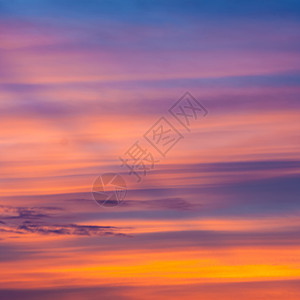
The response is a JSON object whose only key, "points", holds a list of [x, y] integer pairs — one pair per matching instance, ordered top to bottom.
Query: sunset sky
{"points": [[217, 217]]}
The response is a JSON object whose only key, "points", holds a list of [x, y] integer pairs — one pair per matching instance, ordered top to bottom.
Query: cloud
{"points": [[232, 167], [166, 203], [13, 212], [25, 220], [29, 227], [67, 229], [213, 239], [247, 290], [103, 292]]}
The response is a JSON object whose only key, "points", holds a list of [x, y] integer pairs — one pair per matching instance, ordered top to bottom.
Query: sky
{"points": [[217, 215]]}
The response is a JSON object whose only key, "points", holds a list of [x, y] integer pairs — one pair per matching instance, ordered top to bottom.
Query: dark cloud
{"points": [[238, 166], [165, 203], [23, 213], [24, 220], [61, 229], [67, 229], [207, 239], [11, 252], [209, 291], [101, 292]]}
